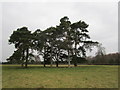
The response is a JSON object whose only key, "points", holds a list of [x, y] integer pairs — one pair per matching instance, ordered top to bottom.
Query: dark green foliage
{"points": [[16, 57]]}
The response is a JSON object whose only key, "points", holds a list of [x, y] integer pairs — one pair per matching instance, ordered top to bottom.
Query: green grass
{"points": [[84, 76]]}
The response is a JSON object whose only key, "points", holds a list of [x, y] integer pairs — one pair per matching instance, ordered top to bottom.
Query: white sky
{"points": [[102, 18]]}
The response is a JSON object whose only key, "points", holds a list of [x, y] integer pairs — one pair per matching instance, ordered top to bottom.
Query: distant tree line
{"points": [[64, 43], [102, 58], [108, 59]]}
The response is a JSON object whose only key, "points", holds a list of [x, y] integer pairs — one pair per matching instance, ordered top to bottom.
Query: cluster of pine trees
{"points": [[65, 42]]}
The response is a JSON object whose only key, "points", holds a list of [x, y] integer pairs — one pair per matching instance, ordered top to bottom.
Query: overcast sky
{"points": [[102, 18]]}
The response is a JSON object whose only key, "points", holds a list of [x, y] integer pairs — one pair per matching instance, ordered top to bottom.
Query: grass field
{"points": [[84, 76]]}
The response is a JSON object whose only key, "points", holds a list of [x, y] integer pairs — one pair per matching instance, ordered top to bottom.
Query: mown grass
{"points": [[84, 76]]}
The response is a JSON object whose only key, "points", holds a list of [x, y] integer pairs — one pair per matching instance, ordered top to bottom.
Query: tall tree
{"points": [[65, 28], [80, 37], [21, 38], [40, 43], [100, 54]]}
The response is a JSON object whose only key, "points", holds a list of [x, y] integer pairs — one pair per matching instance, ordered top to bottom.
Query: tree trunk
{"points": [[68, 40], [27, 51], [44, 56], [75, 57], [68, 58], [51, 62], [75, 62], [44, 63], [57, 63], [69, 63], [22, 64]]}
